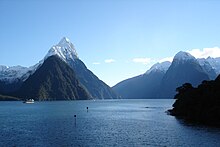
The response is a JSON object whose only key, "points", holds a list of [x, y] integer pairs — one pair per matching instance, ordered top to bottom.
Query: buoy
{"points": [[75, 120]]}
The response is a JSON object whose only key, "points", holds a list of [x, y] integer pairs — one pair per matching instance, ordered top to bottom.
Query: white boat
{"points": [[29, 101]]}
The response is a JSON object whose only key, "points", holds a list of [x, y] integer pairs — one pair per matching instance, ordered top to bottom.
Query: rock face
{"points": [[54, 80], [201, 104]]}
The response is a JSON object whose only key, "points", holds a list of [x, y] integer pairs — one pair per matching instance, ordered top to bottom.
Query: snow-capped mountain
{"points": [[64, 49], [183, 57], [215, 63], [162, 67], [207, 68], [184, 69], [13, 73], [16, 73], [162, 79], [53, 80], [145, 85]]}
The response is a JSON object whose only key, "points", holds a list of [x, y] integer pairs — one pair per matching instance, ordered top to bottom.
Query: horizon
{"points": [[116, 40]]}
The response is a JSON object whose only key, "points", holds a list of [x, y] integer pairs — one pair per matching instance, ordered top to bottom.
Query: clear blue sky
{"points": [[122, 30]]}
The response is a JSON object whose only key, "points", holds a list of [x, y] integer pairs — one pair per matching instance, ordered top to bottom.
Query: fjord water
{"points": [[106, 123]]}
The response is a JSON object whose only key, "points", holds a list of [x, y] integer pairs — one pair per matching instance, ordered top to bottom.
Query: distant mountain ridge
{"points": [[161, 80], [14, 81], [145, 85]]}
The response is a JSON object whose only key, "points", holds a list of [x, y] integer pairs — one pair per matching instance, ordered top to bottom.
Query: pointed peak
{"points": [[64, 40], [64, 49]]}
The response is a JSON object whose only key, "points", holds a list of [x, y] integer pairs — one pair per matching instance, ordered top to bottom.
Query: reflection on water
{"points": [[104, 123]]}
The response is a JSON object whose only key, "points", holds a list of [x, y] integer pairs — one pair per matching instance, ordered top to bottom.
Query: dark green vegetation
{"points": [[54, 80], [59, 80], [6, 88], [8, 98], [201, 104]]}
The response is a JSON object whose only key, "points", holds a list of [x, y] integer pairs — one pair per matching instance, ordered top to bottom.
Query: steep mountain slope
{"points": [[66, 51], [215, 63], [207, 68], [184, 69], [11, 78], [54, 80], [163, 83], [143, 86]]}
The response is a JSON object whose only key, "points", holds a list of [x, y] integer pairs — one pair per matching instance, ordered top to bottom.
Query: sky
{"points": [[116, 39]]}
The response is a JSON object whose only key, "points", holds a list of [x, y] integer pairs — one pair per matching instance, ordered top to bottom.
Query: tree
{"points": [[185, 87]]}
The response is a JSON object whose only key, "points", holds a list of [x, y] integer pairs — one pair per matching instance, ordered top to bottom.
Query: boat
{"points": [[29, 101]]}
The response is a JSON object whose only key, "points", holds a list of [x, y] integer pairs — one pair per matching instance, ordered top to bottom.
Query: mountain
{"points": [[65, 50], [215, 63], [206, 66], [184, 69], [11, 78], [18, 80], [54, 80], [161, 80], [143, 86], [201, 104]]}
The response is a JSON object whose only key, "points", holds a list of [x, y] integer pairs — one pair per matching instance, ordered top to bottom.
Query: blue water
{"points": [[106, 123]]}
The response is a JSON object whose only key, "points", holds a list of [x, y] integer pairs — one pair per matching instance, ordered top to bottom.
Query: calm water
{"points": [[106, 123]]}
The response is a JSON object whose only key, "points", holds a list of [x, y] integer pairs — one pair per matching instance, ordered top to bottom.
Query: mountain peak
{"points": [[64, 41], [64, 49], [183, 56], [163, 67]]}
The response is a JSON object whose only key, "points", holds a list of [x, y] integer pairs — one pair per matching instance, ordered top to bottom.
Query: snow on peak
{"points": [[64, 41], [64, 49], [183, 56], [215, 63], [162, 67], [13, 73]]}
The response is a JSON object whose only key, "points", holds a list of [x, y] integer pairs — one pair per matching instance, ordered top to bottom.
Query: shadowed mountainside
{"points": [[54, 80]]}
